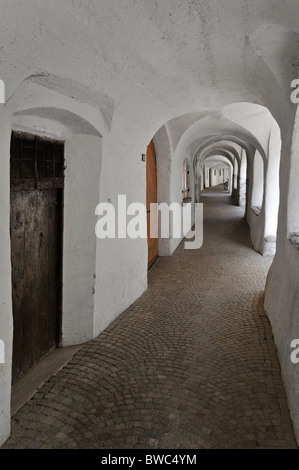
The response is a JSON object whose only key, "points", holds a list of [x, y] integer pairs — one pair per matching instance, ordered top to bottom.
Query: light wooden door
{"points": [[151, 197]]}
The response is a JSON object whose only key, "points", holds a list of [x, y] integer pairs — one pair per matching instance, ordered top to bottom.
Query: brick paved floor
{"points": [[190, 365]]}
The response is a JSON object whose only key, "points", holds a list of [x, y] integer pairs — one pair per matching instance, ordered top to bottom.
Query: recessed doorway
{"points": [[36, 227]]}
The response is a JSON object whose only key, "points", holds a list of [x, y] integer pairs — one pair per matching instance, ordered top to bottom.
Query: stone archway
{"points": [[43, 112]]}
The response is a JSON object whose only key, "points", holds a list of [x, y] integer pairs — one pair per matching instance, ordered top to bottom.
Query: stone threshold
{"points": [[28, 385]]}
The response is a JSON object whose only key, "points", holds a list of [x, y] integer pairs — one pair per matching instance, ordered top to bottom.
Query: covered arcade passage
{"points": [[199, 80], [190, 365]]}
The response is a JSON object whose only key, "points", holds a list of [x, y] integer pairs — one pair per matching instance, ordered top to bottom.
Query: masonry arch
{"points": [[41, 111], [49, 114], [215, 132], [219, 132], [232, 151], [232, 154], [215, 162], [186, 190], [257, 193], [260, 242]]}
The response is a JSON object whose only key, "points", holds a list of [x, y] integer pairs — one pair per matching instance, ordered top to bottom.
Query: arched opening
{"points": [[244, 135], [236, 171], [218, 172], [242, 180], [186, 181], [257, 194], [52, 234], [79, 241]]}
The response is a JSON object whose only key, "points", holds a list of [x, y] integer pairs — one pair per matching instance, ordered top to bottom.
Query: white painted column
{"points": [[242, 179], [81, 196], [6, 319]]}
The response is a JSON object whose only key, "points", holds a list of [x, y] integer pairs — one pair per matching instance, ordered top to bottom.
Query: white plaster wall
{"points": [[164, 155], [242, 179], [258, 181], [272, 190], [263, 192], [293, 194], [81, 195], [255, 217], [256, 224], [121, 264], [281, 294], [282, 308], [6, 324]]}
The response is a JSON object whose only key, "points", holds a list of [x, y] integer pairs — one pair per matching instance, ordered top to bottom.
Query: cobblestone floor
{"points": [[191, 364]]}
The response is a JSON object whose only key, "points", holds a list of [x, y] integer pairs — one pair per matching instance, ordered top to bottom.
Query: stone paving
{"points": [[190, 365]]}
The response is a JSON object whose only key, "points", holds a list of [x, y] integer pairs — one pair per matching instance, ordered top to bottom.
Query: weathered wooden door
{"points": [[151, 197], [36, 248]]}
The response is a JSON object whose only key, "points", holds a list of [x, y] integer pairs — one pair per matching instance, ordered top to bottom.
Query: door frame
{"points": [[19, 185]]}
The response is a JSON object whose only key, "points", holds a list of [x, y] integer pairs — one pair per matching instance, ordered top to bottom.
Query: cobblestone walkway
{"points": [[190, 365]]}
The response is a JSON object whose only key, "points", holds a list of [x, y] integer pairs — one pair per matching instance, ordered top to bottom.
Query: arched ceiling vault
{"points": [[211, 130], [217, 149], [221, 154]]}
